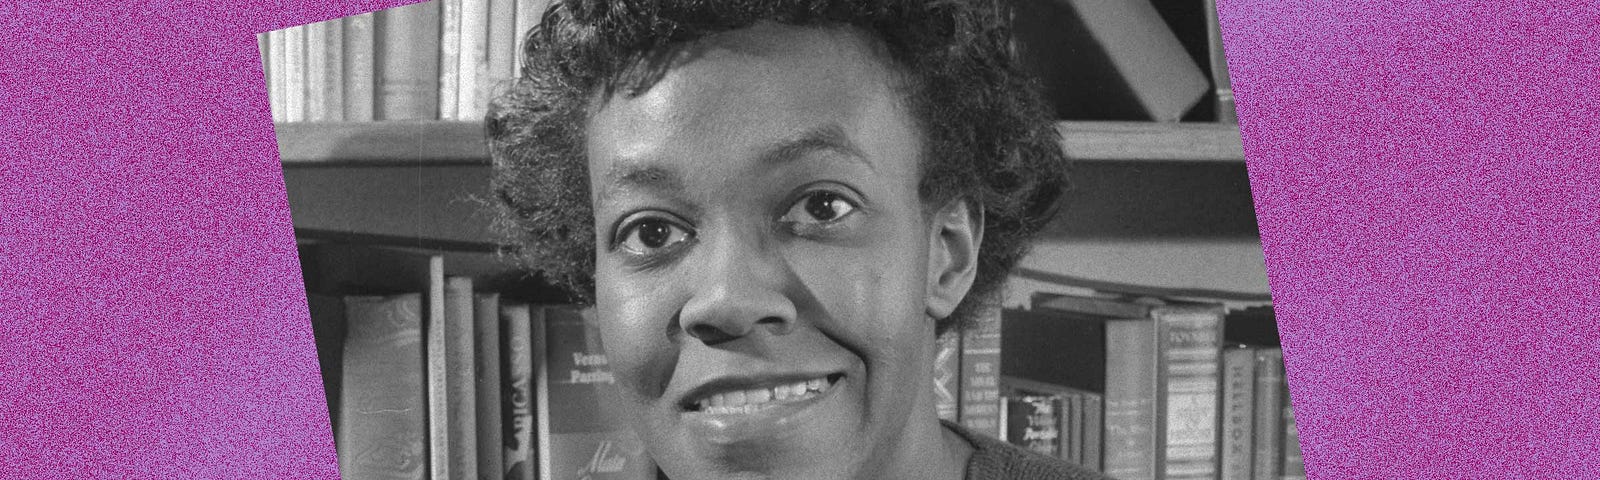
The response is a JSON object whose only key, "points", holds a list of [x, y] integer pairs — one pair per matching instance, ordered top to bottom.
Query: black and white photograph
{"points": [[819, 239]]}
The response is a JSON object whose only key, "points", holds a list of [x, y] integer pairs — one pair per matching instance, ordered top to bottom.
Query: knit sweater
{"points": [[993, 459]]}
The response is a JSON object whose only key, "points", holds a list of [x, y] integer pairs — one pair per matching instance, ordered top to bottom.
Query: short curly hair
{"points": [[990, 136]]}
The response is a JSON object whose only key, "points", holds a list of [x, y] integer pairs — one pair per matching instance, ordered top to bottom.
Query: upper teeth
{"points": [[745, 401]]}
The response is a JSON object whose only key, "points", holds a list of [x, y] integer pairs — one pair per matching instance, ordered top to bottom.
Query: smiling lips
{"points": [[757, 399]]}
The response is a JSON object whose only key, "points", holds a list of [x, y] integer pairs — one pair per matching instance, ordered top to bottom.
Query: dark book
{"points": [[406, 62], [328, 328], [1113, 357], [980, 373], [486, 384], [517, 393], [1238, 411], [1269, 414], [383, 419], [1079, 419], [1033, 422], [581, 434]]}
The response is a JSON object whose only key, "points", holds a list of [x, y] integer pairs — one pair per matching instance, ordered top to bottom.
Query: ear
{"points": [[956, 231]]}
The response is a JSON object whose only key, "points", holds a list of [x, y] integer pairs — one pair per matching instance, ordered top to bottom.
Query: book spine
{"points": [[264, 44], [502, 46], [449, 58], [324, 62], [406, 62], [473, 66], [358, 67], [278, 70], [295, 73], [1226, 110], [980, 374], [947, 377], [1189, 379], [486, 385], [517, 392], [1238, 402], [1130, 407], [1071, 412], [383, 414], [1268, 417], [1032, 423], [1093, 431], [580, 434], [454, 445], [1294, 465]]}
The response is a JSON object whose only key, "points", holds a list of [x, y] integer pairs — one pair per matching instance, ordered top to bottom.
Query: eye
{"points": [[819, 207], [652, 235]]}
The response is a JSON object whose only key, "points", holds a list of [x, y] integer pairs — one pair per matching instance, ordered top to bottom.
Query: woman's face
{"points": [[763, 257]]}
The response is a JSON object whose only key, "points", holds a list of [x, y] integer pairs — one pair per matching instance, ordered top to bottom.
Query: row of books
{"points": [[437, 60], [428, 377], [1139, 388]]}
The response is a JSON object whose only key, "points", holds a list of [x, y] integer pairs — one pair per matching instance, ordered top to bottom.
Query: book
{"points": [[528, 13], [502, 47], [449, 58], [473, 60], [1107, 60], [406, 62], [324, 69], [278, 70], [294, 73], [357, 75], [1226, 111], [328, 329], [1111, 356], [390, 371], [980, 373], [947, 376], [1188, 379], [486, 384], [517, 392], [451, 405], [1238, 411], [1269, 414], [1080, 417], [383, 418], [1032, 422], [1071, 427], [580, 431], [1093, 431], [1294, 465]]}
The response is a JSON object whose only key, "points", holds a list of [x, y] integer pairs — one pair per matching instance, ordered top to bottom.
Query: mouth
{"points": [[729, 398]]}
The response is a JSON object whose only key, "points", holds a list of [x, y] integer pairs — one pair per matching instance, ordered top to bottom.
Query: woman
{"points": [[775, 207]]}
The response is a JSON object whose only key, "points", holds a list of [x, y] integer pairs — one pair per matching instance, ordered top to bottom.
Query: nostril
{"points": [[709, 334]]}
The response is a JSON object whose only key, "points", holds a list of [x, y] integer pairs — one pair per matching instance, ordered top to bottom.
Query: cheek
{"points": [[633, 324]]}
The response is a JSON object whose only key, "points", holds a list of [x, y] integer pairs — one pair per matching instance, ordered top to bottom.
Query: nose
{"points": [[738, 289]]}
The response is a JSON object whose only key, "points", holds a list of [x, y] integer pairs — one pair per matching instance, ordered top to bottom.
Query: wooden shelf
{"points": [[453, 142]]}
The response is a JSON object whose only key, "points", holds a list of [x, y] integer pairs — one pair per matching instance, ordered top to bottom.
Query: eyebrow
{"points": [[647, 176]]}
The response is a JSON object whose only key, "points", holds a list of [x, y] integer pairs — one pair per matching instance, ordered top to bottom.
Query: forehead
{"points": [[729, 96]]}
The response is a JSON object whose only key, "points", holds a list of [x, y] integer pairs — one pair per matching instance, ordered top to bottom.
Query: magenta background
{"points": [[1425, 179]]}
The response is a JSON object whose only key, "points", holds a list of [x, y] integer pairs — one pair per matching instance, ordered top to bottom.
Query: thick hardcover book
{"points": [[449, 58], [1108, 60], [406, 62], [473, 62], [324, 69], [357, 76], [355, 269], [328, 328], [1115, 357], [980, 373], [947, 377], [1188, 378], [486, 384], [517, 395], [452, 406], [1238, 411], [1269, 415], [383, 419], [1033, 422], [581, 434]]}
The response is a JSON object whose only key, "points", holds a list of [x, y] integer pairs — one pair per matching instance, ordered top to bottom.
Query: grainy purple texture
{"points": [[1426, 180], [152, 317]]}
